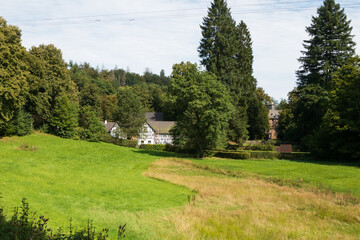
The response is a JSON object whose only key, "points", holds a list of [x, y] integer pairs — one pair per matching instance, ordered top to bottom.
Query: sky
{"points": [[155, 34]]}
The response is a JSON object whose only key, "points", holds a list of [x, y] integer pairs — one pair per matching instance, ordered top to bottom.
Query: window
{"points": [[142, 141], [149, 142]]}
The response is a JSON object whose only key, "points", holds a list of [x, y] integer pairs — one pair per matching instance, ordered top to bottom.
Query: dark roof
{"points": [[154, 116], [109, 126], [161, 127]]}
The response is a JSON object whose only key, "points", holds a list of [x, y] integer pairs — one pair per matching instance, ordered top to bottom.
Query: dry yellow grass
{"points": [[250, 208]]}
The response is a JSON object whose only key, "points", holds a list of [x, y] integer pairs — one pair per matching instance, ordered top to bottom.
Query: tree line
{"points": [[39, 90], [221, 103], [211, 107], [322, 113]]}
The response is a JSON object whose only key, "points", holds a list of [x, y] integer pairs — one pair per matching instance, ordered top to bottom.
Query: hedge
{"points": [[117, 141], [153, 147], [259, 147], [233, 155], [262, 155]]}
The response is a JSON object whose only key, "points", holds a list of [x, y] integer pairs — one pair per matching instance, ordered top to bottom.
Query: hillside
{"points": [[65, 179], [149, 191]]}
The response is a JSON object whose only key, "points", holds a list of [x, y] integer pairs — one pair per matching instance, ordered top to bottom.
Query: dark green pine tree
{"points": [[218, 44], [329, 47], [219, 50], [245, 58], [256, 106]]}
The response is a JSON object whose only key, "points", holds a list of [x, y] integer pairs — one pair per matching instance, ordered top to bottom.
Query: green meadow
{"points": [[338, 177], [65, 179], [149, 190]]}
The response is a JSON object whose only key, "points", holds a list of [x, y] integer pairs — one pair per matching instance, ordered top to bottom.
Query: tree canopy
{"points": [[328, 49], [226, 50], [13, 71], [205, 107], [129, 113]]}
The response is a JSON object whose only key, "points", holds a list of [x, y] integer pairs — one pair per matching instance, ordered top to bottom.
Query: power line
{"points": [[160, 11], [183, 13]]}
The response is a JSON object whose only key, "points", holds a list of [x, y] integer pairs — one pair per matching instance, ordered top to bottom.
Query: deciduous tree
{"points": [[13, 70], [205, 107], [129, 113]]}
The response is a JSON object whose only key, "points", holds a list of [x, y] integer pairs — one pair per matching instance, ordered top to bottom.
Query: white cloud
{"points": [[139, 36]]}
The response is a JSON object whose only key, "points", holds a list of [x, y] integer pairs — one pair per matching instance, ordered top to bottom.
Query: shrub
{"points": [[20, 125], [117, 141], [128, 143], [153, 147], [259, 147], [179, 149], [233, 155], [264, 155], [23, 225]]}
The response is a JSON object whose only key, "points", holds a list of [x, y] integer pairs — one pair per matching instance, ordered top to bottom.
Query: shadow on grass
{"points": [[347, 163]]}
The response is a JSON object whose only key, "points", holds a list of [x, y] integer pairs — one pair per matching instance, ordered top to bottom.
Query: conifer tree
{"points": [[218, 44], [329, 47], [220, 53], [245, 58]]}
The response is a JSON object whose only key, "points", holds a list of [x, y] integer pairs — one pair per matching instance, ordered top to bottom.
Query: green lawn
{"points": [[337, 177], [66, 179]]}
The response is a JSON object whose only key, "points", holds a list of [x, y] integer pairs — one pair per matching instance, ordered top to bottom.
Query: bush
{"points": [[20, 125], [117, 141], [128, 143], [153, 147], [259, 147], [179, 149], [233, 155], [262, 155], [23, 225]]}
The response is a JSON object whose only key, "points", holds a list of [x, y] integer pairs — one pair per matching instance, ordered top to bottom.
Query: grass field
{"points": [[339, 177], [66, 179], [149, 192], [249, 208]]}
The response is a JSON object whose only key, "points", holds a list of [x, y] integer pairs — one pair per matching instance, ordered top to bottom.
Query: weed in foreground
{"points": [[24, 225]]}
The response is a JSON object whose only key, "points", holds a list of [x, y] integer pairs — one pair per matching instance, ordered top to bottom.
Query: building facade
{"points": [[273, 121]]}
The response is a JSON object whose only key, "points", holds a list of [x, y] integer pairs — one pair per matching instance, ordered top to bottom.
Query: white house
{"points": [[113, 129], [155, 130]]}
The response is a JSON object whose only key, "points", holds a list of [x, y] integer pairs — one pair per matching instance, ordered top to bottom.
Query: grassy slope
{"points": [[339, 178], [74, 179], [103, 182], [249, 208]]}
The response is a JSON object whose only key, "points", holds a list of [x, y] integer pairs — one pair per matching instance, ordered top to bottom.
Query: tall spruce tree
{"points": [[218, 44], [329, 47], [226, 51], [244, 59], [248, 95]]}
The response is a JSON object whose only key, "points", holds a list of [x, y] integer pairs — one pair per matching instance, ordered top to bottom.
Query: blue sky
{"points": [[156, 34]]}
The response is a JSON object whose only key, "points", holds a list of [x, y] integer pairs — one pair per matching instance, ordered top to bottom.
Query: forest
{"points": [[211, 107]]}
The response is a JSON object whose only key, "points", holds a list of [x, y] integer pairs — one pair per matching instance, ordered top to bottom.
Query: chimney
{"points": [[105, 122]]}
